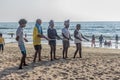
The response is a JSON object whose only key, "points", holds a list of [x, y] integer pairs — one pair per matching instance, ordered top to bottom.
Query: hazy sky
{"points": [[59, 10]]}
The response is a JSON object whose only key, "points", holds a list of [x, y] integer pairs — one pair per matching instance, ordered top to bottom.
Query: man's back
{"points": [[36, 39]]}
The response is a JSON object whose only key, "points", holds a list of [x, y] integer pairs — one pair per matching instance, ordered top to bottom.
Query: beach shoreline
{"points": [[106, 28], [84, 44]]}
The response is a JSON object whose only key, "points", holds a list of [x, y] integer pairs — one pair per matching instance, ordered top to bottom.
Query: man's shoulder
{"points": [[35, 28], [19, 29], [48, 29], [54, 29], [63, 29], [75, 31]]}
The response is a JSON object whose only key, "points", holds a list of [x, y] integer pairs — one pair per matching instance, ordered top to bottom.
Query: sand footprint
{"points": [[75, 72], [64, 75], [54, 76]]}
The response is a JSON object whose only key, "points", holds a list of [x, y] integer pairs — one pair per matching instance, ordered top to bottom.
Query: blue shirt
{"points": [[51, 33]]}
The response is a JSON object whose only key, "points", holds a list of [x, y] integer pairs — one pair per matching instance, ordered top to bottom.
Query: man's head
{"points": [[39, 21], [22, 22], [51, 23], [67, 23], [78, 26]]}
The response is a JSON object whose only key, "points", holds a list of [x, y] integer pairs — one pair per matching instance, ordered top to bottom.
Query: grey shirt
{"points": [[66, 32], [19, 33]]}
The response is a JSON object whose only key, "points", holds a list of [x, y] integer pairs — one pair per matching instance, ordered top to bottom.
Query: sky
{"points": [[60, 10]]}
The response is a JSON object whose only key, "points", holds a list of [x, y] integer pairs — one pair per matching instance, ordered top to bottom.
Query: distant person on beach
{"points": [[11, 34], [37, 35], [52, 35], [66, 38], [20, 39], [116, 39], [78, 40], [101, 40], [93, 41], [2, 43], [107, 43]]}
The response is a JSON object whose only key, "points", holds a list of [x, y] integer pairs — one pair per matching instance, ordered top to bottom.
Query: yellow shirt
{"points": [[36, 39], [1, 40]]}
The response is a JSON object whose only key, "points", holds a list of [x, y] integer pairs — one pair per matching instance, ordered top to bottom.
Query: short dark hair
{"points": [[38, 20], [22, 21], [78, 25], [0, 34]]}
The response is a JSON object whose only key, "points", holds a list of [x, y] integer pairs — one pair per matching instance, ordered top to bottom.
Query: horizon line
{"points": [[62, 21]]}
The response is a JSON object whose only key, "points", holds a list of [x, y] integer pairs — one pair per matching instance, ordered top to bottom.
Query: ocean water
{"points": [[107, 29]]}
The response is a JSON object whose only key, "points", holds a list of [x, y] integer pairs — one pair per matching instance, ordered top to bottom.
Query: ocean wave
{"points": [[6, 28]]}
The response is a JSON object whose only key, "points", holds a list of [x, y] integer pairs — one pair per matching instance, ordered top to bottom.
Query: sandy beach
{"points": [[96, 64]]}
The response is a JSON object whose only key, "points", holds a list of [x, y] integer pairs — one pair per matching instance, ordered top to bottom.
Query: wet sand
{"points": [[96, 64]]}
